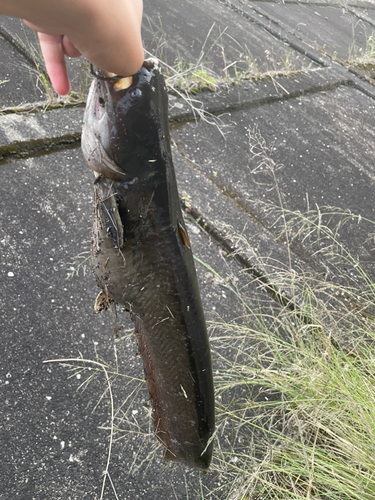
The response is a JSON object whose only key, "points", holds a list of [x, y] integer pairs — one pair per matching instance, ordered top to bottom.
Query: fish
{"points": [[142, 257]]}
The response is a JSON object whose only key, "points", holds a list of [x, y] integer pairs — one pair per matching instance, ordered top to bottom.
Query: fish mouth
{"points": [[99, 93]]}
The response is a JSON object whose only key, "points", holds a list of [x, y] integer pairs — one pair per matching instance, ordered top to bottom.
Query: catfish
{"points": [[142, 258]]}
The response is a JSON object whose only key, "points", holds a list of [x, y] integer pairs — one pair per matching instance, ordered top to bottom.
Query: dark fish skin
{"points": [[142, 257]]}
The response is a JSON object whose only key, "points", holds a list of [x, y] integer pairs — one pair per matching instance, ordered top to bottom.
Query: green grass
{"points": [[30, 45], [362, 56], [191, 77], [307, 376]]}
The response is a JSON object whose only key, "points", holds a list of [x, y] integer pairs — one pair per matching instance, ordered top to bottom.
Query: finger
{"points": [[30, 25], [69, 49], [53, 53]]}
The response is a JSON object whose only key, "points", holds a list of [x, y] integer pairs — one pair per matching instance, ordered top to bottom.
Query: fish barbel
{"points": [[142, 257]]}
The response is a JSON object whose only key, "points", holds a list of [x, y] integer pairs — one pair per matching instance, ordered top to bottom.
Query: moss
{"points": [[42, 106], [34, 147]]}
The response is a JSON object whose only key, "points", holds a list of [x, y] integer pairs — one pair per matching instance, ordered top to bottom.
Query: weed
{"points": [[30, 47], [362, 57], [193, 77], [79, 264], [299, 390], [315, 413]]}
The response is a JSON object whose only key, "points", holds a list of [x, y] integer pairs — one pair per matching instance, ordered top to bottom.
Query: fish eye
{"points": [[136, 93]]}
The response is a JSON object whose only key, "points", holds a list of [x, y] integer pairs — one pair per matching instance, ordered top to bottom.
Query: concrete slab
{"points": [[331, 29], [214, 34], [23, 127], [38, 128], [323, 140], [54, 438]]}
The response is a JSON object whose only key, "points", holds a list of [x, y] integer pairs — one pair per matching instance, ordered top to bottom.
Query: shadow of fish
{"points": [[142, 257]]}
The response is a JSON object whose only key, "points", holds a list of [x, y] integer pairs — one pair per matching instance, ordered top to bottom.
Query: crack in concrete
{"points": [[361, 17], [258, 18], [285, 35], [8, 37], [346, 65], [364, 79], [285, 97], [36, 107], [216, 110], [37, 147], [222, 190], [230, 192], [281, 297]]}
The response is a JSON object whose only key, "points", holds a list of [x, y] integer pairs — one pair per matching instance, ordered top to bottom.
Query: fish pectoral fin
{"points": [[110, 219]]}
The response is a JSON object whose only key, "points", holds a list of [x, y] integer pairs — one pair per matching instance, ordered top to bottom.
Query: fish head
{"points": [[124, 120]]}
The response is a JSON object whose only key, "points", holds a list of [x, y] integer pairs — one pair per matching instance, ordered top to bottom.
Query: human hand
{"points": [[106, 32]]}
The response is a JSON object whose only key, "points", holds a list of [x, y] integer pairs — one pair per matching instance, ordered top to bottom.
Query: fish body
{"points": [[142, 257]]}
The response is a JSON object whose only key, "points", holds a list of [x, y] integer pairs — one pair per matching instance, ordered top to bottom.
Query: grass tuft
{"points": [[301, 388]]}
